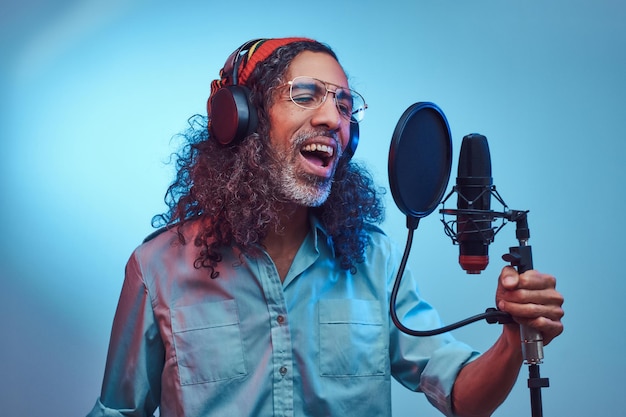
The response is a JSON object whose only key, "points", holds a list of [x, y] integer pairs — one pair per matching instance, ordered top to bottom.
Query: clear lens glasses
{"points": [[311, 93]]}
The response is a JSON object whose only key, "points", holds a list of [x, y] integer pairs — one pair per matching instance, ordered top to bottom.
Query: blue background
{"points": [[91, 94]]}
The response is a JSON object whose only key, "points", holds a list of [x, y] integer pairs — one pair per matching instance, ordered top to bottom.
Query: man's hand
{"points": [[532, 299]]}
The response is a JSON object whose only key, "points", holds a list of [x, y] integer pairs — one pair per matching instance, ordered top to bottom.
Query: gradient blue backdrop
{"points": [[92, 93]]}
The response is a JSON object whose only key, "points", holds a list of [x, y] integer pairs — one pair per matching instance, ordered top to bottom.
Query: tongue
{"points": [[314, 158]]}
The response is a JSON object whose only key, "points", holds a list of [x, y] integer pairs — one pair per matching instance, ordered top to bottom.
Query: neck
{"points": [[282, 244]]}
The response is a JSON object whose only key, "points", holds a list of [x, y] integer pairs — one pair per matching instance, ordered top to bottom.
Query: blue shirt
{"points": [[321, 343]]}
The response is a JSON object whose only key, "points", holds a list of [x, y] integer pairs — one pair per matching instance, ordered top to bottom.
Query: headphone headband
{"points": [[240, 64], [231, 67]]}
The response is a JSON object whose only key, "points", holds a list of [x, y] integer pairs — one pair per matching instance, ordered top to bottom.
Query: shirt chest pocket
{"points": [[207, 340], [352, 340]]}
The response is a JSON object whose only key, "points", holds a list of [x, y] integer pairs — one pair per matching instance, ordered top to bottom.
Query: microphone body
{"points": [[473, 186]]}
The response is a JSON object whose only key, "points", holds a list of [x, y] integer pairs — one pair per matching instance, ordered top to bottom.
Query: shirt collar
{"points": [[320, 235]]}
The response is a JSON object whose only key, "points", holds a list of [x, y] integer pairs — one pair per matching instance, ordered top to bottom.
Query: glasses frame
{"points": [[355, 117]]}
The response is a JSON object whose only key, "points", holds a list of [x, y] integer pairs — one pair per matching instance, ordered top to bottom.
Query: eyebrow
{"points": [[304, 84], [344, 93]]}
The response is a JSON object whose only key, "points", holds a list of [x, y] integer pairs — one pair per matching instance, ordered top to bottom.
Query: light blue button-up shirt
{"points": [[321, 343]]}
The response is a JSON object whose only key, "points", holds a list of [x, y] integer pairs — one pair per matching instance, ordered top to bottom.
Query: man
{"points": [[267, 292]]}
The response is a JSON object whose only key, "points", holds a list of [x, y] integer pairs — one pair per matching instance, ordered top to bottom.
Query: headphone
{"points": [[232, 116]]}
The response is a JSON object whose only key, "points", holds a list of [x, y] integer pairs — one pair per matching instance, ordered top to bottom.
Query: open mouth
{"points": [[318, 154]]}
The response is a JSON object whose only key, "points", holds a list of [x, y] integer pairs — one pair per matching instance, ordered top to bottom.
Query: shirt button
{"points": [[280, 319], [283, 370]]}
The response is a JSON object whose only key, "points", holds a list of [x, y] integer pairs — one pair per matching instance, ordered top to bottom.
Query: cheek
{"points": [[280, 118], [284, 123], [276, 129], [345, 136]]}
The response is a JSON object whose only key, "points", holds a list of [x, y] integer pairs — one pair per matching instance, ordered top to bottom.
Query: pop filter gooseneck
{"points": [[420, 159]]}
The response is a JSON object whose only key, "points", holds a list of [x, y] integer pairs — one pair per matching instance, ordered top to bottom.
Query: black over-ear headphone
{"points": [[233, 116]]}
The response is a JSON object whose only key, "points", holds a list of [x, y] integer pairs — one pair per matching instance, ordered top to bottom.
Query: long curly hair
{"points": [[228, 188]]}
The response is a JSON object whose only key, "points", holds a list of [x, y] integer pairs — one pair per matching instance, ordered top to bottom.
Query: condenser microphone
{"points": [[473, 185]]}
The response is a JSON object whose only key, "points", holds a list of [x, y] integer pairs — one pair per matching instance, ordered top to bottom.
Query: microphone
{"points": [[420, 158], [419, 169], [473, 185], [474, 232]]}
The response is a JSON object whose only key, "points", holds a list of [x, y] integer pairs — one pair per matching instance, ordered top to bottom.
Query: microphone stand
{"points": [[521, 258], [532, 343]]}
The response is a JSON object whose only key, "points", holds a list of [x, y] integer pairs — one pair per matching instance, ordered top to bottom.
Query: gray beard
{"points": [[295, 186], [306, 190]]}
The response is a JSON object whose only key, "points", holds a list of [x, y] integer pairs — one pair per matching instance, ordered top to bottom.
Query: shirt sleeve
{"points": [[427, 364], [132, 377]]}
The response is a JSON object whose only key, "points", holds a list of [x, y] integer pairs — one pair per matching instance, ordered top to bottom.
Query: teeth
{"points": [[317, 147]]}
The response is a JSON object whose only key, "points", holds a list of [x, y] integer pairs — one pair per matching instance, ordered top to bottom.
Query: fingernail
{"points": [[509, 280]]}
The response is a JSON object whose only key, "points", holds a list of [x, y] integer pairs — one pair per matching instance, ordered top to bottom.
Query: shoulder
{"points": [[374, 230], [157, 233], [172, 233], [165, 236], [378, 239], [167, 242], [381, 249], [163, 255]]}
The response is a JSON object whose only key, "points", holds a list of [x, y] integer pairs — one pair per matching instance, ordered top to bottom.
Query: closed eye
{"points": [[309, 95], [303, 99]]}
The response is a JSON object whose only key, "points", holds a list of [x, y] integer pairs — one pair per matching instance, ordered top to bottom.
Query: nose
{"points": [[327, 115]]}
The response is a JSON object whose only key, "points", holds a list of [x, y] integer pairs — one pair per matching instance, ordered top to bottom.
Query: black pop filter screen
{"points": [[420, 159]]}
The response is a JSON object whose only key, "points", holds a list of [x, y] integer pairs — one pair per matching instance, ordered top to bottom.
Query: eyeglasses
{"points": [[310, 93]]}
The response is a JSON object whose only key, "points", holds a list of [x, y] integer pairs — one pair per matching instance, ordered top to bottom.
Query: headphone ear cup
{"points": [[232, 116], [353, 142]]}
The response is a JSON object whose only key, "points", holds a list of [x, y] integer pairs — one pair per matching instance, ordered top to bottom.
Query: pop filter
{"points": [[420, 158]]}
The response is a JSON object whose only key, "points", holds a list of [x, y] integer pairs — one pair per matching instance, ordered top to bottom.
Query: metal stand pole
{"points": [[532, 341]]}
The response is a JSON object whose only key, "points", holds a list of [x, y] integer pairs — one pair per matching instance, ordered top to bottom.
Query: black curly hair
{"points": [[228, 188]]}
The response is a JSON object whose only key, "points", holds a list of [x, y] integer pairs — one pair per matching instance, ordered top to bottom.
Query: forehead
{"points": [[317, 65]]}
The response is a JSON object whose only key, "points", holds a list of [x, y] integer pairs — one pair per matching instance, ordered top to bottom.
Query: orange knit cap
{"points": [[253, 52]]}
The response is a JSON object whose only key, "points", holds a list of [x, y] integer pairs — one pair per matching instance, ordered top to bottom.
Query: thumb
{"points": [[509, 278]]}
